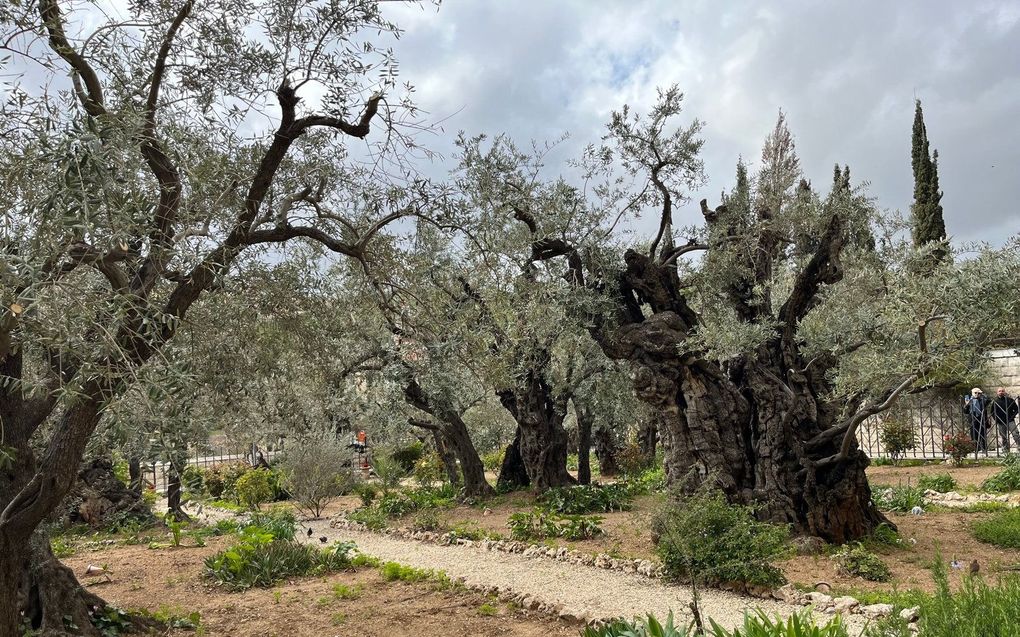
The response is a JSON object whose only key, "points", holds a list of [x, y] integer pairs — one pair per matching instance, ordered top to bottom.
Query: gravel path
{"points": [[583, 589]]}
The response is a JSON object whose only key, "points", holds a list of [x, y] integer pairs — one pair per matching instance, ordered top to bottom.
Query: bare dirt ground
{"points": [[970, 476], [305, 607]]}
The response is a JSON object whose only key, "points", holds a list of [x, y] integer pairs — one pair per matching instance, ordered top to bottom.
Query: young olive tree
{"points": [[155, 150], [762, 359]]}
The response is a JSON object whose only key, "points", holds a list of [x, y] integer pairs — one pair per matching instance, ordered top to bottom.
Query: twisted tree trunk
{"points": [[585, 421], [542, 438], [605, 451], [447, 456], [512, 473]]}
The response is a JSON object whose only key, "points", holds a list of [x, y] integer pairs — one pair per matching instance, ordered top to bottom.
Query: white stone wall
{"points": [[1004, 371]]}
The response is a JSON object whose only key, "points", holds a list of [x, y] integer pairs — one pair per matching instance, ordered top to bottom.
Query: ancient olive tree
{"points": [[153, 151], [763, 357]]}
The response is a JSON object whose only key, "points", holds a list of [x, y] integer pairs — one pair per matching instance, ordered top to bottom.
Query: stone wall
{"points": [[1003, 371]]}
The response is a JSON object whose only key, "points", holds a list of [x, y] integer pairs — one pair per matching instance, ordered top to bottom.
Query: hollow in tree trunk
{"points": [[512, 474]]}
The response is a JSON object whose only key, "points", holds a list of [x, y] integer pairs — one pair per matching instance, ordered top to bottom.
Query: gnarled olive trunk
{"points": [[585, 422], [756, 426], [543, 440], [605, 451], [447, 456], [512, 473]]}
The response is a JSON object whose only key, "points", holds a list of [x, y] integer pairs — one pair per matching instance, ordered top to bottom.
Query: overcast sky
{"points": [[845, 73]]}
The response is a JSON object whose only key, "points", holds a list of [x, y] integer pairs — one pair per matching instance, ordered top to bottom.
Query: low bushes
{"points": [[315, 475], [1006, 480], [941, 482], [254, 488], [587, 499], [900, 499], [540, 524], [1001, 529], [704, 538], [260, 560], [856, 561], [975, 609], [759, 624]]}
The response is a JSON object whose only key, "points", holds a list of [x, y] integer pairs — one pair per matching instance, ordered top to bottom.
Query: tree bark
{"points": [[585, 421], [756, 427], [456, 435], [647, 437], [543, 440], [605, 451], [447, 456], [135, 474], [513, 474], [173, 496]]}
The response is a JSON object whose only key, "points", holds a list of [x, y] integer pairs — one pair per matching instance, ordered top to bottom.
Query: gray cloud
{"points": [[845, 73]]}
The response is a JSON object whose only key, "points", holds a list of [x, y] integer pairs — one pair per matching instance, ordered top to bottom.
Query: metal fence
{"points": [[933, 418], [155, 473]]}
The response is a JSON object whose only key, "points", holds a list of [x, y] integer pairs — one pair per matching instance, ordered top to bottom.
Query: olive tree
{"points": [[156, 150], [762, 358]]}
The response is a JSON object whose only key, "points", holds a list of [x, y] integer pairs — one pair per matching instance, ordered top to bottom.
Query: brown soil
{"points": [[966, 476], [627, 533], [945, 534], [305, 607]]}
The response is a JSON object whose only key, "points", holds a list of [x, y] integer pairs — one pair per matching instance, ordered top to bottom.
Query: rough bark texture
{"points": [[585, 421], [756, 425], [455, 435], [647, 438], [543, 440], [605, 451], [447, 456], [135, 474], [513, 474], [173, 496], [99, 499]]}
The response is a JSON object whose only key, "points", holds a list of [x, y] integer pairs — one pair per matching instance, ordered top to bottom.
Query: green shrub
{"points": [[898, 437], [408, 456], [493, 461], [632, 461], [429, 470], [122, 471], [389, 471], [314, 475], [651, 479], [193, 480], [1006, 480], [215, 481], [941, 482], [254, 488], [367, 491], [587, 499], [900, 499], [371, 517], [427, 520], [280, 523], [539, 524], [1000, 529], [468, 531], [884, 537], [705, 538], [259, 560], [856, 561], [395, 572], [976, 609], [800, 624], [639, 627]]}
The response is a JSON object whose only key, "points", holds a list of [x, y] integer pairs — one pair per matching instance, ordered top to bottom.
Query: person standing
{"points": [[976, 407], [1003, 413]]}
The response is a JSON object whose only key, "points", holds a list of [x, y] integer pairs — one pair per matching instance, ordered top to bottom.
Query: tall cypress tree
{"points": [[927, 223]]}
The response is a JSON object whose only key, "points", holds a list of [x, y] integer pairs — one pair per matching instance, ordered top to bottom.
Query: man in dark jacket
{"points": [[976, 407], [1003, 410]]}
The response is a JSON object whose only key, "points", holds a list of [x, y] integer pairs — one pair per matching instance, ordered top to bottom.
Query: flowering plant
{"points": [[958, 446]]}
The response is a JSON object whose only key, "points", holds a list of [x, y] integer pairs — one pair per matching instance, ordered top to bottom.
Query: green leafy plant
{"points": [[898, 437], [958, 446], [407, 456], [493, 460], [632, 460], [389, 470], [429, 470], [314, 474], [1008, 479], [941, 482], [254, 488], [367, 491], [587, 499], [900, 499], [373, 518], [427, 520], [281, 523], [540, 524], [176, 527], [1000, 529], [704, 539], [259, 560], [856, 561], [394, 571], [343, 591], [975, 609], [488, 610], [800, 624], [647, 626]]}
